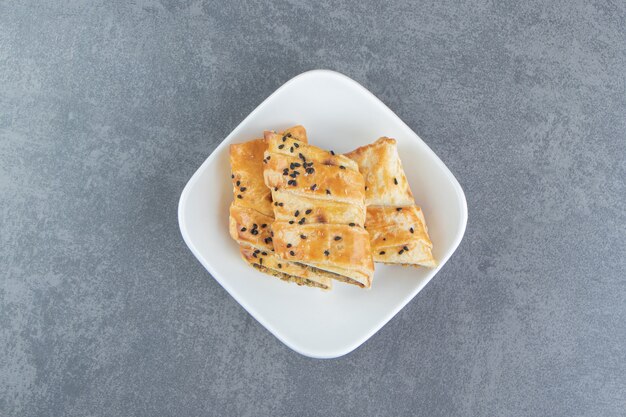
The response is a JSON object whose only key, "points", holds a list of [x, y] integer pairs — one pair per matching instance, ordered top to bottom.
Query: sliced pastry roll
{"points": [[318, 202], [251, 215], [395, 224]]}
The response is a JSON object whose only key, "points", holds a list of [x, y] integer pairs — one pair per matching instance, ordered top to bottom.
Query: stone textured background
{"points": [[107, 108]]}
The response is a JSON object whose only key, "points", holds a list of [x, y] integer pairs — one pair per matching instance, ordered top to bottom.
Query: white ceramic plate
{"points": [[339, 114]]}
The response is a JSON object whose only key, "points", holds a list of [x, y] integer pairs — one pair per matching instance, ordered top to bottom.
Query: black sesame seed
{"points": [[288, 135], [284, 138], [296, 145], [281, 146], [291, 149], [332, 152], [269, 157], [301, 157], [296, 164], [342, 167], [310, 170], [285, 171], [296, 172], [293, 174], [232, 176], [395, 181], [238, 183], [313, 187], [275, 188], [366, 188], [242, 189], [327, 191], [239, 196], [275, 203], [281, 204], [399, 209], [308, 211], [297, 213], [302, 220], [291, 222], [352, 224], [264, 225], [255, 226], [243, 229], [411, 230], [254, 232], [272, 234], [302, 236], [337, 237], [384, 238], [267, 240], [288, 245], [406, 249], [257, 251], [326, 252], [382, 252], [401, 252], [264, 253], [292, 253], [254, 255], [260, 261], [280, 266]]}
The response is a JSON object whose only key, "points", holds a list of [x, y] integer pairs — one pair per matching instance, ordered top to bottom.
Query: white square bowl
{"points": [[341, 115]]}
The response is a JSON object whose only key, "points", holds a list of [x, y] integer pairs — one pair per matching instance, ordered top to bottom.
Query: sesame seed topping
{"points": [[284, 138], [296, 145], [281, 146], [291, 149], [332, 152], [269, 157], [301, 157], [342, 167], [310, 170], [285, 171], [293, 174], [232, 176], [395, 181], [292, 182], [238, 183], [313, 187], [275, 188], [366, 188], [242, 189], [327, 191], [239, 196], [275, 203], [281, 204], [399, 209], [308, 211], [297, 213], [302, 220], [291, 222], [352, 224], [264, 225], [243, 229], [411, 230], [254, 232], [302, 236], [337, 237], [267, 239], [288, 245], [406, 249], [257, 251], [326, 252], [382, 252], [401, 252], [264, 253], [292, 253], [260, 261], [280, 266]]}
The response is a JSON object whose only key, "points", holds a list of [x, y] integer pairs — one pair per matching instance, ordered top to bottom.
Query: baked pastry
{"points": [[319, 209], [251, 214], [396, 225]]}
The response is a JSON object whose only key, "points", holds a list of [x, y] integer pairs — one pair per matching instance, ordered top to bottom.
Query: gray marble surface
{"points": [[107, 108]]}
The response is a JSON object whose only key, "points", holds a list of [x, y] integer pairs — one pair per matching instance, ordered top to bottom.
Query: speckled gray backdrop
{"points": [[107, 108]]}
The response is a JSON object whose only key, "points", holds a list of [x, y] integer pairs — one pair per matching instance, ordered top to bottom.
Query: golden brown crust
{"points": [[246, 161], [384, 177], [293, 207], [251, 214], [396, 225], [341, 249]]}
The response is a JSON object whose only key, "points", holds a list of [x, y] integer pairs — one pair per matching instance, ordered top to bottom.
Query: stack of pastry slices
{"points": [[309, 216]]}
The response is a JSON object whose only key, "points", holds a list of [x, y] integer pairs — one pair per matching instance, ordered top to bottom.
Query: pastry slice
{"points": [[318, 203], [251, 215], [396, 225]]}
